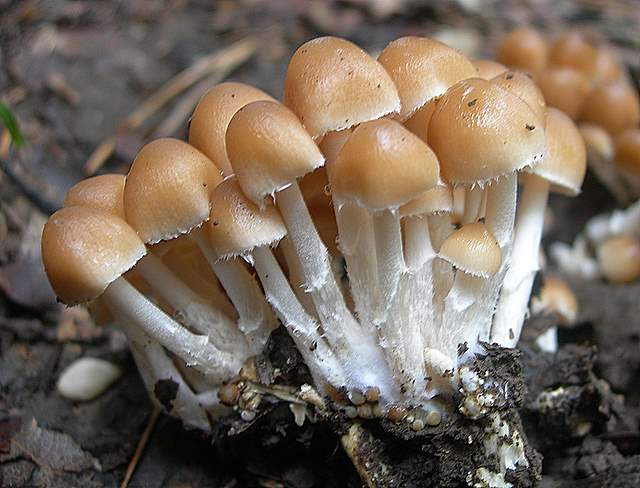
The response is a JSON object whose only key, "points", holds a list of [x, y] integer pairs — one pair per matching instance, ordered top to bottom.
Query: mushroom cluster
{"points": [[588, 83], [374, 213]]}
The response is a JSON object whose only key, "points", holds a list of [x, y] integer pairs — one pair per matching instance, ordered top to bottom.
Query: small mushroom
{"points": [[523, 48], [488, 68], [564, 88], [613, 106], [619, 259]]}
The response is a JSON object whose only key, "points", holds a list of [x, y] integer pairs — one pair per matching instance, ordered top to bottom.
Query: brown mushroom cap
{"points": [[525, 49], [572, 50], [607, 66], [487, 68], [422, 69], [332, 84], [523, 85], [565, 89], [613, 105], [212, 115], [418, 123], [481, 131], [598, 142], [331, 145], [269, 149], [627, 151], [565, 160], [383, 165], [167, 189], [104, 192], [437, 200], [237, 225], [85, 249], [473, 250], [619, 259], [556, 297]]}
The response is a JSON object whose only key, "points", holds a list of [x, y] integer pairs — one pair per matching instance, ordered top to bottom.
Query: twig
{"points": [[221, 63], [155, 414]]}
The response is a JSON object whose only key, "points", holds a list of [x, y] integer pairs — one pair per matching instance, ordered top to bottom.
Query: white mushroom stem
{"points": [[472, 204], [440, 227], [355, 240], [418, 249], [312, 253], [389, 258], [296, 277], [518, 282], [130, 306], [189, 307], [254, 315], [459, 324], [302, 327], [154, 364]]}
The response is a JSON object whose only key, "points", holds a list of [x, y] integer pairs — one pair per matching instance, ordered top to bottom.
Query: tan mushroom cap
{"points": [[525, 49], [572, 50], [607, 66], [487, 68], [422, 69], [332, 84], [522, 84], [565, 89], [614, 106], [212, 116], [418, 123], [481, 131], [597, 141], [331, 145], [269, 149], [627, 151], [565, 160], [382, 166], [167, 189], [104, 192], [437, 200], [237, 225], [85, 249], [473, 249], [619, 259], [556, 297]]}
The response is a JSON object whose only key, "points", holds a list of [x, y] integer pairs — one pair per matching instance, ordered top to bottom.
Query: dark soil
{"points": [[71, 71]]}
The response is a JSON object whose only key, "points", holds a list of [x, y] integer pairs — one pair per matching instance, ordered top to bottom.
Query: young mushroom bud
{"points": [[525, 49], [571, 50], [332, 84], [564, 88], [614, 106], [212, 115], [562, 170], [619, 259], [557, 298]]}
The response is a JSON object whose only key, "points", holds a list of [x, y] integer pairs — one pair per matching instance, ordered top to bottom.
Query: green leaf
{"points": [[10, 123]]}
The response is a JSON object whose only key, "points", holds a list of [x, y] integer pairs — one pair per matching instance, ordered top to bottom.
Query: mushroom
{"points": [[523, 48], [572, 50], [488, 68], [422, 69], [331, 84], [564, 88], [613, 106], [212, 115], [269, 150], [627, 156], [381, 167], [562, 170], [103, 192], [238, 227], [86, 251], [476, 255], [619, 259], [556, 297]]}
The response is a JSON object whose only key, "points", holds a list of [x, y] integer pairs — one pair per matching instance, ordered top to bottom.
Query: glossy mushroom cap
{"points": [[525, 49], [572, 50], [487, 68], [422, 69], [332, 84], [523, 85], [565, 89], [614, 106], [212, 116], [418, 123], [481, 131], [597, 141], [269, 149], [627, 151], [565, 160], [382, 166], [167, 190], [104, 192], [437, 200], [237, 225], [85, 249], [473, 250], [619, 259]]}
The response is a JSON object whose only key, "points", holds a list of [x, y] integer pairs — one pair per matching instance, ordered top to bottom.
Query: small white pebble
{"points": [[87, 378], [247, 415], [433, 418]]}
